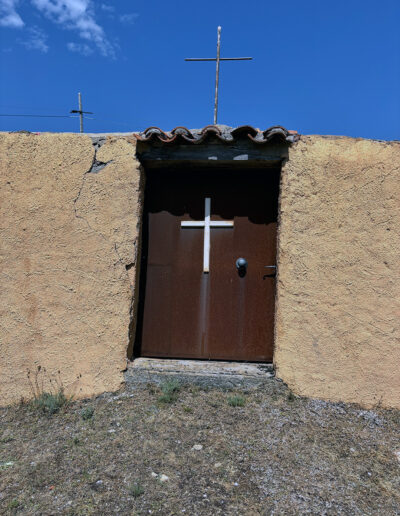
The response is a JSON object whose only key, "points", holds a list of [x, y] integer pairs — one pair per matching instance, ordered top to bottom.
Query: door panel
{"points": [[187, 313]]}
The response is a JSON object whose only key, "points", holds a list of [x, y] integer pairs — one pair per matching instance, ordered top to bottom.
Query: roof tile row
{"points": [[221, 132]]}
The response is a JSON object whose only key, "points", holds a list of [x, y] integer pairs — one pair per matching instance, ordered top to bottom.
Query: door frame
{"points": [[244, 156]]}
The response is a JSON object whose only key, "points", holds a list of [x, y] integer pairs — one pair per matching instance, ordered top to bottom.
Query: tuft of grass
{"points": [[171, 386], [170, 390], [291, 396], [167, 398], [236, 401], [50, 403], [187, 409], [87, 413], [7, 439], [136, 490], [14, 504]]}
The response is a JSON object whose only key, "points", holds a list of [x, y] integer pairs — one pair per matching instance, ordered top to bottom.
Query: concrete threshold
{"points": [[205, 373]]}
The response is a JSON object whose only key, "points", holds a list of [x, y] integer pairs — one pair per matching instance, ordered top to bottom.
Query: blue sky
{"points": [[320, 67]]}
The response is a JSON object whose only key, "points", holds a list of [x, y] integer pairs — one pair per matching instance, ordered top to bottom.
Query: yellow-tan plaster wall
{"points": [[69, 247], [68, 253], [338, 295]]}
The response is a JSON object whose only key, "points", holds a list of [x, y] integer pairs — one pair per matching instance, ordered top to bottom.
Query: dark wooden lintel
{"points": [[239, 153]]}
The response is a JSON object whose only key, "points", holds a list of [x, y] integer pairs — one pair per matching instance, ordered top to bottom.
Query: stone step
{"points": [[205, 373]]}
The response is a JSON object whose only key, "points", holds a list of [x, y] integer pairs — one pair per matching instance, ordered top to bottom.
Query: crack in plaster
{"points": [[98, 166], [95, 168], [132, 279]]}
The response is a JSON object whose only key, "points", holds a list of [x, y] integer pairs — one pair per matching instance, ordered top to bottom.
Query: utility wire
{"points": [[81, 112], [43, 116], [69, 116], [109, 120]]}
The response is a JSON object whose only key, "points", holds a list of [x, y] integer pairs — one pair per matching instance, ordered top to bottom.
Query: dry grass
{"points": [[262, 452]]}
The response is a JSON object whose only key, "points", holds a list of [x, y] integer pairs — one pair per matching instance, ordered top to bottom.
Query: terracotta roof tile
{"points": [[221, 132]]}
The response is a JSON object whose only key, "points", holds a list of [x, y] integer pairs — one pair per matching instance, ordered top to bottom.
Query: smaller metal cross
{"points": [[218, 59], [207, 224]]}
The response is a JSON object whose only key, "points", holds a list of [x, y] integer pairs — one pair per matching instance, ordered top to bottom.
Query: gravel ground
{"points": [[200, 452]]}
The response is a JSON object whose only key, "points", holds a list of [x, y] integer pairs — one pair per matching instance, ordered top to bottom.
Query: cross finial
{"points": [[218, 59]]}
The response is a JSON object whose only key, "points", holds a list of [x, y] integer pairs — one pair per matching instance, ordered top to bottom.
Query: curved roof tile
{"points": [[221, 132]]}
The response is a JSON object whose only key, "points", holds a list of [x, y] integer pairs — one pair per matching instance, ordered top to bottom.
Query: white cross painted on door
{"points": [[207, 224]]}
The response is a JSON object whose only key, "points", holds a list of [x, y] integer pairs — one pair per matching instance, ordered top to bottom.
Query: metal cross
{"points": [[218, 59], [207, 224]]}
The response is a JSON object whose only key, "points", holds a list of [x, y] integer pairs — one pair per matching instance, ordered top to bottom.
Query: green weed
{"points": [[170, 390], [291, 396], [167, 398], [236, 401], [50, 403], [87, 413], [7, 439], [136, 490], [14, 504]]}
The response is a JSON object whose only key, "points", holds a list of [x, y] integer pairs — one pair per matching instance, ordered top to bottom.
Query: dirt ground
{"points": [[199, 452]]}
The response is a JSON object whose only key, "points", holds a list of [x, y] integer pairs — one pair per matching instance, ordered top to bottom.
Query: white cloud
{"points": [[106, 7], [77, 15], [9, 16], [128, 18], [36, 40], [83, 49]]}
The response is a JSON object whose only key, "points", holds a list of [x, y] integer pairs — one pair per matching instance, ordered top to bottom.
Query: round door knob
{"points": [[241, 263]]}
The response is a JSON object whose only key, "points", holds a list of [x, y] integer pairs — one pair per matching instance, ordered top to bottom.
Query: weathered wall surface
{"points": [[68, 231], [338, 306]]}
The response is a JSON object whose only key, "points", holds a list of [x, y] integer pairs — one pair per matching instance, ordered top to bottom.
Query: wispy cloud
{"points": [[107, 7], [8, 14], [74, 15], [77, 15], [128, 18], [36, 39], [80, 48]]}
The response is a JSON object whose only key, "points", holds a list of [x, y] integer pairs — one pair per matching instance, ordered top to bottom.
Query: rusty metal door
{"points": [[226, 313]]}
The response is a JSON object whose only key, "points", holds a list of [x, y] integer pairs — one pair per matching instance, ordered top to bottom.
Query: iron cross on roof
{"points": [[218, 59]]}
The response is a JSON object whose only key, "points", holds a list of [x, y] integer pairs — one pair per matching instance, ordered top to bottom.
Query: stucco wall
{"points": [[69, 229], [68, 233], [338, 306]]}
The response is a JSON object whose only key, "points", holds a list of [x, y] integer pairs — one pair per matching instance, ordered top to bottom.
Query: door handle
{"points": [[241, 263], [241, 266], [273, 271]]}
